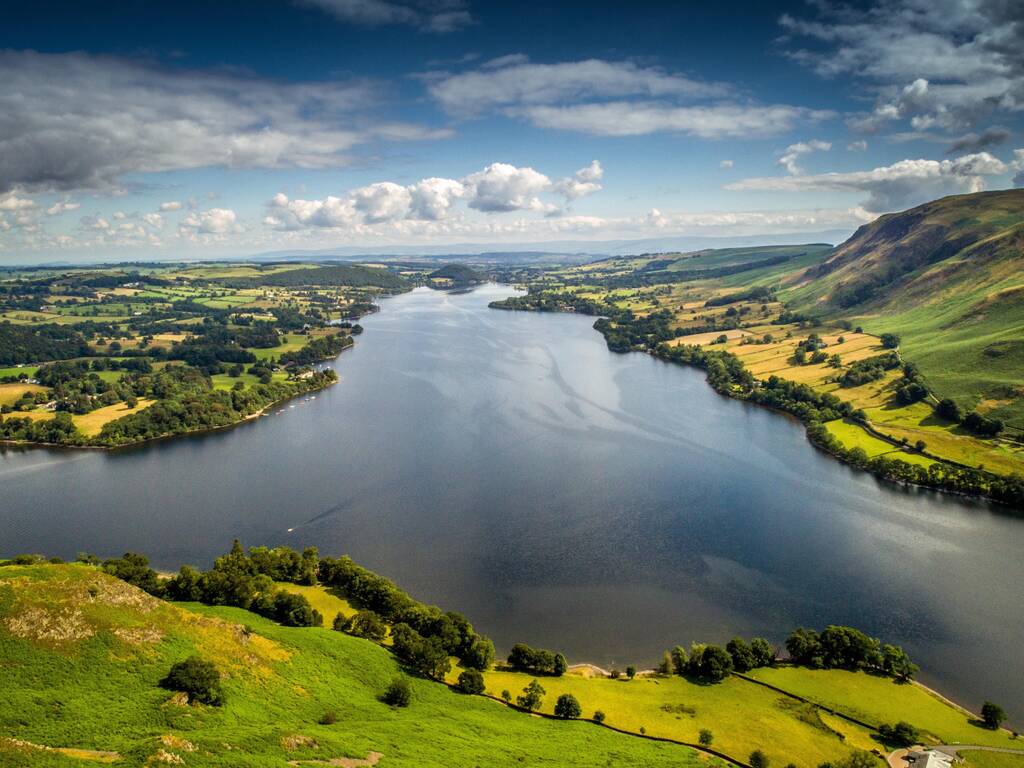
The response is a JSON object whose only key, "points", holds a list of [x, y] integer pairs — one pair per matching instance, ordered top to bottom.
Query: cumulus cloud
{"points": [[436, 17], [946, 65], [80, 121], [857, 146], [794, 152], [725, 164], [1018, 166], [586, 181], [891, 187], [498, 188], [11, 202], [172, 205], [215, 221]]}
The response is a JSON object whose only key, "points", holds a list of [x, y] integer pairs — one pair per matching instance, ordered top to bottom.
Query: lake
{"points": [[508, 466]]}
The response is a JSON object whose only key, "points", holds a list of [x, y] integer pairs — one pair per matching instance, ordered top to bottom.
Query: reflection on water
{"points": [[508, 466]]}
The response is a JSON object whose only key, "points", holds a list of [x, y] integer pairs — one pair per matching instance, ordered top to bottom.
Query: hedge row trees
{"points": [[236, 580], [372, 592], [848, 648], [759, 653], [426, 655], [537, 661]]}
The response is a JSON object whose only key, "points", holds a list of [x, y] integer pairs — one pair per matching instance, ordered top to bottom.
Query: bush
{"points": [[630, 671], [198, 678], [470, 682], [398, 693], [567, 707], [599, 716], [329, 717], [902, 734], [706, 737], [758, 759]]}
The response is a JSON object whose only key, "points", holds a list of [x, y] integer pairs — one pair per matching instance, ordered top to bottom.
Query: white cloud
{"points": [[431, 17], [514, 81], [624, 118], [79, 121], [857, 146], [793, 153], [726, 164], [1018, 166], [584, 182], [501, 187], [891, 187], [498, 188], [431, 199], [383, 201], [11, 202], [172, 205], [62, 206], [154, 220], [215, 221]]}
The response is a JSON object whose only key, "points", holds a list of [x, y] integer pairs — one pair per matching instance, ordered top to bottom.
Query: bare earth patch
{"points": [[63, 625], [140, 635], [298, 741], [94, 755], [371, 759]]}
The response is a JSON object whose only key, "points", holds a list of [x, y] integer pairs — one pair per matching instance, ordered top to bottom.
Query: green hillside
{"points": [[948, 277], [81, 655]]}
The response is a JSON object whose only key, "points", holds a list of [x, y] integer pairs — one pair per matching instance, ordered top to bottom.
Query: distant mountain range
{"points": [[565, 251]]}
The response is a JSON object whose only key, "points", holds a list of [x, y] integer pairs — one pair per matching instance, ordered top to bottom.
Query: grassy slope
{"points": [[961, 292], [81, 670]]}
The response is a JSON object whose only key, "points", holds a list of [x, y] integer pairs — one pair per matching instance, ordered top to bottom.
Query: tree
{"points": [[890, 340], [949, 410], [134, 569], [339, 623], [367, 624], [803, 646], [763, 652], [480, 654], [742, 656], [679, 659], [712, 663], [897, 663], [560, 666], [665, 667], [630, 671], [198, 678], [470, 682], [398, 693], [506, 696], [533, 696], [567, 707], [992, 715], [599, 716], [902, 734], [706, 737], [758, 759]]}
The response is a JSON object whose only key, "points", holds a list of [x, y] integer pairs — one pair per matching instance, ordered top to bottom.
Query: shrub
{"points": [[630, 671], [198, 678], [470, 682], [398, 693], [506, 696], [567, 707], [599, 716], [329, 717], [706, 737], [758, 759]]}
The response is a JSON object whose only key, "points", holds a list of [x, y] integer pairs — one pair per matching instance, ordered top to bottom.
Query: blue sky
{"points": [[147, 130]]}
